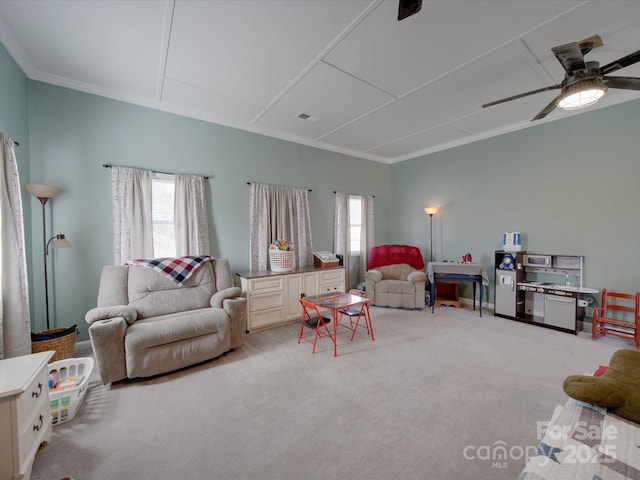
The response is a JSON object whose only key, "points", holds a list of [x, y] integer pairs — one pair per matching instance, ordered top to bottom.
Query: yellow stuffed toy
{"points": [[618, 388]]}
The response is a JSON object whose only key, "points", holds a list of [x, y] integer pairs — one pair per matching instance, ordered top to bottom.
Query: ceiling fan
{"points": [[406, 8], [584, 82]]}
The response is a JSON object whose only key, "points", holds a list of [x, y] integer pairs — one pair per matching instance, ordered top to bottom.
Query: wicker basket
{"points": [[281, 260], [62, 340]]}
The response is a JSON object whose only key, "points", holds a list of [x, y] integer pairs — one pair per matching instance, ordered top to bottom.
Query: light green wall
{"points": [[14, 122], [73, 134], [571, 187]]}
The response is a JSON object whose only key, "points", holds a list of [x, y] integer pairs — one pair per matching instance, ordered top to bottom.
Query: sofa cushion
{"points": [[396, 272], [113, 286], [395, 286], [153, 294], [174, 327], [169, 342]]}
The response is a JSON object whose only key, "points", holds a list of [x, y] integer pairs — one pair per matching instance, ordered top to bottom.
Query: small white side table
{"points": [[25, 422]]}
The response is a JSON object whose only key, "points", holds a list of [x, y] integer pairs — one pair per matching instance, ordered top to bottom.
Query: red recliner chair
{"points": [[396, 277]]}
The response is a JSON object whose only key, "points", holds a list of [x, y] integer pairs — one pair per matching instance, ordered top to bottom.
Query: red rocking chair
{"points": [[612, 317]]}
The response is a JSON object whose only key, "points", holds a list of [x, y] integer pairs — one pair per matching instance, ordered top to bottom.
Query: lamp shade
{"points": [[581, 95], [42, 191], [431, 210], [57, 241], [61, 242]]}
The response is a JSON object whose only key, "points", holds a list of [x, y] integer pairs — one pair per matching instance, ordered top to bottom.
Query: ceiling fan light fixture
{"points": [[581, 94]]}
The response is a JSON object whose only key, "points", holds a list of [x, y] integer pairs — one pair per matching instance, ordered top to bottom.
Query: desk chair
{"points": [[357, 312], [612, 317], [313, 320]]}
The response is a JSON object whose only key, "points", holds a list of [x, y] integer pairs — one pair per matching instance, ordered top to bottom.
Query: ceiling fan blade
{"points": [[406, 8], [588, 44], [570, 57], [621, 63], [625, 83], [526, 94], [546, 110]]}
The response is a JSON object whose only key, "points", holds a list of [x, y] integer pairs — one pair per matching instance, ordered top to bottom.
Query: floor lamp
{"points": [[44, 193], [431, 211]]}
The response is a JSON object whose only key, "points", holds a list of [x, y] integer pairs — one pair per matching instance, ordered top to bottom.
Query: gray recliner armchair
{"points": [[145, 324]]}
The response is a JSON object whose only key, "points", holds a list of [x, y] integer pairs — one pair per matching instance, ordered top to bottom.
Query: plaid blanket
{"points": [[178, 269]]}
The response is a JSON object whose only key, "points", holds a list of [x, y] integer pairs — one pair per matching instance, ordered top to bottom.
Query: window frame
{"points": [[162, 178], [352, 225]]}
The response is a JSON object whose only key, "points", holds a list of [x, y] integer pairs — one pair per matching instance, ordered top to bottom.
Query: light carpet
{"points": [[431, 398]]}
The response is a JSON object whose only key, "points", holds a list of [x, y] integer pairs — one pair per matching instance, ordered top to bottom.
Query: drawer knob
{"points": [[39, 392], [36, 428]]}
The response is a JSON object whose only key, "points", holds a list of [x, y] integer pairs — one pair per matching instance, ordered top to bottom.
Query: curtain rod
{"points": [[108, 165], [308, 189], [361, 194]]}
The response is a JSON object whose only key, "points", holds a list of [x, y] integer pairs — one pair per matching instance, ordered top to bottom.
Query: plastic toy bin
{"points": [[71, 377]]}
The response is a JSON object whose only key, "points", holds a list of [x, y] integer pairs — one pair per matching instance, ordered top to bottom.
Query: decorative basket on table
{"points": [[281, 256], [62, 340]]}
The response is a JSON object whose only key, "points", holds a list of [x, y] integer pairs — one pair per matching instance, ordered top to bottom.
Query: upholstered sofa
{"points": [[395, 276], [145, 324]]}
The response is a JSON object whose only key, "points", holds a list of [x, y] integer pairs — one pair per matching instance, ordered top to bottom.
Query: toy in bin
{"points": [[68, 380]]}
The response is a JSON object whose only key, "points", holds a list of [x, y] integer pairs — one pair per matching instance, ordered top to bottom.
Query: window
{"points": [[162, 215], [355, 223]]}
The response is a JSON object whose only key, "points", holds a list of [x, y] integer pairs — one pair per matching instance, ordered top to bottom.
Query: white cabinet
{"points": [[331, 280], [292, 291], [274, 298], [265, 301], [25, 421]]}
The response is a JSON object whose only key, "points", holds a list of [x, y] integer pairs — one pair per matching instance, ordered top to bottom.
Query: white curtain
{"points": [[279, 213], [191, 217], [132, 223], [342, 228], [341, 232], [367, 234], [15, 328]]}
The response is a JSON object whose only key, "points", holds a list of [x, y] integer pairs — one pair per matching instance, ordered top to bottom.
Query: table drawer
{"points": [[333, 276], [264, 285], [266, 300], [34, 393]]}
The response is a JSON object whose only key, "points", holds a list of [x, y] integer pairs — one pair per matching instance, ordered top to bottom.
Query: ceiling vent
{"points": [[307, 117]]}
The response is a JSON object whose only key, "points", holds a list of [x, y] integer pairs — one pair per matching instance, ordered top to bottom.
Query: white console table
{"points": [[274, 298], [25, 421]]}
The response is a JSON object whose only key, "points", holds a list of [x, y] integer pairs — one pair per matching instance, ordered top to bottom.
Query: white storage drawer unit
{"points": [[331, 280], [274, 298], [265, 304], [25, 421]]}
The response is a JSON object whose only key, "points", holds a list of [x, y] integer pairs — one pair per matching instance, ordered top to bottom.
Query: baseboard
{"points": [[469, 302], [83, 348]]}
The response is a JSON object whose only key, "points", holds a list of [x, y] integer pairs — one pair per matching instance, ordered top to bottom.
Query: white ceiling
{"points": [[377, 88]]}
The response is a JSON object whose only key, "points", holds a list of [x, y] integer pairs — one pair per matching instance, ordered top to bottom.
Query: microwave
{"points": [[529, 260]]}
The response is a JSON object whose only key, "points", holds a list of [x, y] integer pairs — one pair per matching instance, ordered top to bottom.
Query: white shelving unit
{"points": [[274, 298]]}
